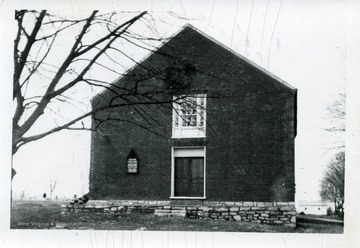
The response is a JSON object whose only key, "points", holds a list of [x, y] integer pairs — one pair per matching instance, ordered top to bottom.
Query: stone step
{"points": [[184, 202], [170, 213]]}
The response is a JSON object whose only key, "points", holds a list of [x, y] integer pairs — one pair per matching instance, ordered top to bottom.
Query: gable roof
{"points": [[188, 27], [238, 55]]}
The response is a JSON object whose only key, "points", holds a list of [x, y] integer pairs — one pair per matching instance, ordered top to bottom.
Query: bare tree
{"points": [[31, 49], [47, 75], [337, 119], [332, 184], [52, 187]]}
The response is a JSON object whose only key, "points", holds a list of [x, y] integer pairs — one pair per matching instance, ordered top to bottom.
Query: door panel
{"points": [[182, 176], [189, 176], [197, 177]]}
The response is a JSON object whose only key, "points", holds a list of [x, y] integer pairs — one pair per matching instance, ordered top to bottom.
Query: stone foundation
{"points": [[276, 213]]}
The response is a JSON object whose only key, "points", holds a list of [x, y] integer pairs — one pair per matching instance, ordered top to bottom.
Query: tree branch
{"points": [[113, 33], [94, 59], [21, 60], [46, 99], [23, 140]]}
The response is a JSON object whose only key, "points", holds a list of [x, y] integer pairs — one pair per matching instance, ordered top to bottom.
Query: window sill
{"points": [[188, 137], [188, 197]]}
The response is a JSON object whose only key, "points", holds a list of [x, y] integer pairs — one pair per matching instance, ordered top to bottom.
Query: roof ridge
{"points": [[189, 25], [239, 55]]}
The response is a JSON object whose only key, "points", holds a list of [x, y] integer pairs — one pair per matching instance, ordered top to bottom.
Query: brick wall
{"points": [[250, 130]]}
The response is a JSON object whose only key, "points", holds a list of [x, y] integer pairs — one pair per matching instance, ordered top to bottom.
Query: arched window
{"points": [[132, 164]]}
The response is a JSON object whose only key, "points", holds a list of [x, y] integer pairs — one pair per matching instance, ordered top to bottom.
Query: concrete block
{"points": [[97, 203], [217, 204], [229, 204], [248, 204], [282, 204], [178, 208], [204, 208], [286, 208], [113, 209], [221, 209], [234, 209], [164, 211], [178, 211], [170, 213], [290, 213], [161, 214], [237, 218], [293, 219]]}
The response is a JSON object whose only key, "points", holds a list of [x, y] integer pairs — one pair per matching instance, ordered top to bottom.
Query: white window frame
{"points": [[181, 131], [191, 151]]}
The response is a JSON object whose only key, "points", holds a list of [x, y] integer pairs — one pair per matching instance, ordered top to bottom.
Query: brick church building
{"points": [[194, 121]]}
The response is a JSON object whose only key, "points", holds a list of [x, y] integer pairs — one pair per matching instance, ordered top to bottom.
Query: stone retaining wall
{"points": [[278, 213]]}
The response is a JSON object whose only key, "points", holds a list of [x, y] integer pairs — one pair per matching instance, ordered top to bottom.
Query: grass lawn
{"points": [[47, 215], [331, 217]]}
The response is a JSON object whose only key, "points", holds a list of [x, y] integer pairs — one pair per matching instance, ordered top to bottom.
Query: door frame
{"points": [[173, 170]]}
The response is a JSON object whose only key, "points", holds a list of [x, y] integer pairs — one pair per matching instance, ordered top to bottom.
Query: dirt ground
{"points": [[47, 215]]}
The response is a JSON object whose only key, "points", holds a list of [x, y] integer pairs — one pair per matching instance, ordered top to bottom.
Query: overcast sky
{"points": [[302, 42], [311, 45]]}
